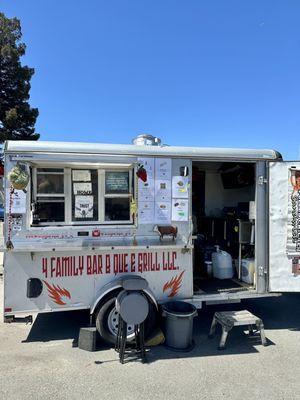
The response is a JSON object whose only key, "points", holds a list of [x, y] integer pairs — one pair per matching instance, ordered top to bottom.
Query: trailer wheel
{"points": [[107, 320]]}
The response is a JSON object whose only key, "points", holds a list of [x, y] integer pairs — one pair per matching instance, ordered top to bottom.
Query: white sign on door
{"points": [[84, 206]]}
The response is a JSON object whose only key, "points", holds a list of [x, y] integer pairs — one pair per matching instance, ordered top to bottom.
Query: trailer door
{"points": [[284, 226]]}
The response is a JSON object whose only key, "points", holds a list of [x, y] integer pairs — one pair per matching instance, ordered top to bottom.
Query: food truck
{"points": [[202, 225]]}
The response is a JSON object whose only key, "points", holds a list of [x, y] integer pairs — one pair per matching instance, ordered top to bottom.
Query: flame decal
{"points": [[174, 284], [56, 293]]}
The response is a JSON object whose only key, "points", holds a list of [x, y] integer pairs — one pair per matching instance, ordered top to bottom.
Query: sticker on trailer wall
{"points": [[18, 201], [293, 222], [173, 285], [57, 294]]}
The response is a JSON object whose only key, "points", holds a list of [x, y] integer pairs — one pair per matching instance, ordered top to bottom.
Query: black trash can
{"points": [[179, 317]]}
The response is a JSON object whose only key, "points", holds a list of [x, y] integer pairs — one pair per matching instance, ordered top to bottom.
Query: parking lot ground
{"points": [[38, 361]]}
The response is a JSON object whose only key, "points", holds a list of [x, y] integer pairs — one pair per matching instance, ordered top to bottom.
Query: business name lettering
{"points": [[99, 264]]}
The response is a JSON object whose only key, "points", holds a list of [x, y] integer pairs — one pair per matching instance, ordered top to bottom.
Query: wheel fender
{"points": [[117, 284]]}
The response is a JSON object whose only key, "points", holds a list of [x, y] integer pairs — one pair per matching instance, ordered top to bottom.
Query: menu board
{"points": [[117, 182], [154, 190]]}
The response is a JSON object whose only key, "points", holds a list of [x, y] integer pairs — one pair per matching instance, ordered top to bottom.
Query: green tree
{"points": [[17, 118]]}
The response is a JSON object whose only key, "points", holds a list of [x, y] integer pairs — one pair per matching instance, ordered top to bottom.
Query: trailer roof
{"points": [[20, 146]]}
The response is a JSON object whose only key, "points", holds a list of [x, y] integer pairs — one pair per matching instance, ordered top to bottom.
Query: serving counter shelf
{"points": [[99, 245]]}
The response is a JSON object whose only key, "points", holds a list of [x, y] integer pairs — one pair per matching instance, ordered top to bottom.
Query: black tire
{"points": [[104, 311]]}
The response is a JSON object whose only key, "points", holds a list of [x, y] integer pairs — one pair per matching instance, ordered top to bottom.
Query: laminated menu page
{"points": [[163, 168], [180, 185], [162, 190], [180, 209], [146, 212], [162, 212]]}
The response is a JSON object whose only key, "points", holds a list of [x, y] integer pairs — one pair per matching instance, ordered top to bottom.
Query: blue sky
{"points": [[197, 72]]}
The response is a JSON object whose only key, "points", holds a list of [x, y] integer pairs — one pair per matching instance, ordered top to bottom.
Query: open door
{"points": [[284, 226]]}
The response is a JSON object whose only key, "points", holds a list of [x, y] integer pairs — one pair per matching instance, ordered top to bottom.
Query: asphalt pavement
{"points": [[38, 361]]}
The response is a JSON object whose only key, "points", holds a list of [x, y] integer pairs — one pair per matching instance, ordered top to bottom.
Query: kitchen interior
{"points": [[223, 215]]}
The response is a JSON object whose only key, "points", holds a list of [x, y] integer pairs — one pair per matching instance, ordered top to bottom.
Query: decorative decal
{"points": [[141, 173], [295, 180], [293, 223], [296, 265], [174, 285], [56, 293]]}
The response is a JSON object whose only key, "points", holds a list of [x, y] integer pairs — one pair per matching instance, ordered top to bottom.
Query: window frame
{"points": [[68, 193], [37, 195], [128, 195], [70, 205]]}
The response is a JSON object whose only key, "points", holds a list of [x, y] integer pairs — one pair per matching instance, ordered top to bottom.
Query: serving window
{"points": [[50, 194], [85, 195], [65, 196], [117, 196]]}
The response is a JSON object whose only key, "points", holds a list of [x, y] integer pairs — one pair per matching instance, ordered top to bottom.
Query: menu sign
{"points": [[117, 182], [180, 187], [180, 209], [146, 212]]}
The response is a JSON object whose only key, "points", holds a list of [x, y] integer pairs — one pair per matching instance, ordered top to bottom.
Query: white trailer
{"points": [[90, 217]]}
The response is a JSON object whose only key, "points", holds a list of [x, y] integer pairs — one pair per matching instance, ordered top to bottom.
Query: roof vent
{"points": [[146, 140]]}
